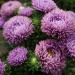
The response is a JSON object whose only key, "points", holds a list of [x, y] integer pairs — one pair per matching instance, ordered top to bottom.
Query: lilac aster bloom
{"points": [[44, 5], [10, 7], [25, 11], [2, 21], [58, 23], [17, 29], [71, 45], [17, 56], [50, 57], [2, 68]]}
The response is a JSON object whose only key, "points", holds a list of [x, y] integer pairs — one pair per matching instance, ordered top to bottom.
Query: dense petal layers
{"points": [[44, 5], [10, 7], [58, 23], [17, 29], [17, 56], [50, 56]]}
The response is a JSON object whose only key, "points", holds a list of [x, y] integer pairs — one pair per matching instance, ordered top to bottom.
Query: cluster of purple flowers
{"points": [[56, 23], [15, 30]]}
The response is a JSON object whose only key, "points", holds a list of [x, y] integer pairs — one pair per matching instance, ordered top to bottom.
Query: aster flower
{"points": [[44, 5], [10, 7], [25, 11], [2, 21], [58, 23], [17, 29], [71, 45], [17, 56], [50, 57], [2, 68]]}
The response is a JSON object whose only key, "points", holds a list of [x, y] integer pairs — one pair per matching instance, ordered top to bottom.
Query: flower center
{"points": [[51, 52]]}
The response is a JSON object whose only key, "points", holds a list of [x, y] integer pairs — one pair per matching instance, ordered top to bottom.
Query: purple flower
{"points": [[44, 5], [10, 7], [25, 11], [2, 21], [58, 23], [17, 29], [71, 45], [17, 56], [51, 59], [2, 68]]}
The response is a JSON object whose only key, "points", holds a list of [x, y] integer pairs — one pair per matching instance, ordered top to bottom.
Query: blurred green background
{"points": [[28, 68]]}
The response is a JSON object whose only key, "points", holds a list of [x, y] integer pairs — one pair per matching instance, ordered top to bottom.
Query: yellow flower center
{"points": [[50, 53]]}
